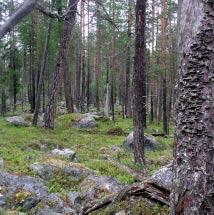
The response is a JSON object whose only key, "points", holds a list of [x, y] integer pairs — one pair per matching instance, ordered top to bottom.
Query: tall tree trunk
{"points": [[98, 54], [128, 60], [88, 63], [12, 64], [83, 64], [61, 65], [113, 65], [164, 65], [41, 76], [78, 81], [139, 87], [67, 88], [153, 91], [107, 101], [193, 184]]}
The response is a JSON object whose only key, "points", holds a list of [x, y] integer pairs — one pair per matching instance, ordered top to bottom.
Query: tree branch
{"points": [[17, 16]]}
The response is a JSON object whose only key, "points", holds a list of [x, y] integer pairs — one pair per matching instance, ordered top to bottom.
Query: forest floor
{"points": [[20, 148]]}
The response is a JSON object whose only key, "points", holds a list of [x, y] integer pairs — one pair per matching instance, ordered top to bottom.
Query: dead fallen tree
{"points": [[137, 175], [144, 189], [155, 189]]}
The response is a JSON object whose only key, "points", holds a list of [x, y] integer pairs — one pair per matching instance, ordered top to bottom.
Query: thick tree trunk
{"points": [[61, 65], [139, 78], [193, 184]]}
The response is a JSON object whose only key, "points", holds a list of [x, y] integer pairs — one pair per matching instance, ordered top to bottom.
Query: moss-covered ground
{"points": [[20, 147]]}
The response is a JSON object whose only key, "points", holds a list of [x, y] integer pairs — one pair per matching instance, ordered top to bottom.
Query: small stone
{"points": [[66, 153], [1, 163], [74, 198], [121, 213]]}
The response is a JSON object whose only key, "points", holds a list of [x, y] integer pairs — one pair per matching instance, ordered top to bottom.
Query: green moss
{"points": [[60, 183], [136, 207]]}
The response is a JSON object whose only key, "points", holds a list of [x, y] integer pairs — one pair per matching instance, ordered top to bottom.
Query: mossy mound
{"points": [[116, 132]]}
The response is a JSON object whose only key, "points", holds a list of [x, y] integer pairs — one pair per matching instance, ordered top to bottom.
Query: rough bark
{"points": [[61, 65], [138, 82], [193, 184]]}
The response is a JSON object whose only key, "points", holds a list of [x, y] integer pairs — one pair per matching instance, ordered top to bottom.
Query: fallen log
{"points": [[144, 189]]}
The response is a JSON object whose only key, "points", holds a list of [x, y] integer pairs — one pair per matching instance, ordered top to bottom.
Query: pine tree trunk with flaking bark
{"points": [[61, 64], [139, 78], [193, 184]]}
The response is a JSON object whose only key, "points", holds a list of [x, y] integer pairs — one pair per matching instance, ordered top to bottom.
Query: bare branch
{"points": [[17, 16]]}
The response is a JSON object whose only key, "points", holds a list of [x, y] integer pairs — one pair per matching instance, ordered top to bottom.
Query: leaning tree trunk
{"points": [[26, 8], [61, 65], [139, 87], [193, 184]]}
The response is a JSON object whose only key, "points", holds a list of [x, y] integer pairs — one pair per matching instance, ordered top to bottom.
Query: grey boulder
{"points": [[95, 115], [17, 121], [86, 122], [149, 142], [65, 153], [48, 169], [163, 178], [94, 187], [23, 191], [74, 198], [52, 205]]}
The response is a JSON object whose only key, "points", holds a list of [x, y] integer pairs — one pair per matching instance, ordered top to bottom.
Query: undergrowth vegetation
{"points": [[22, 146]]}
